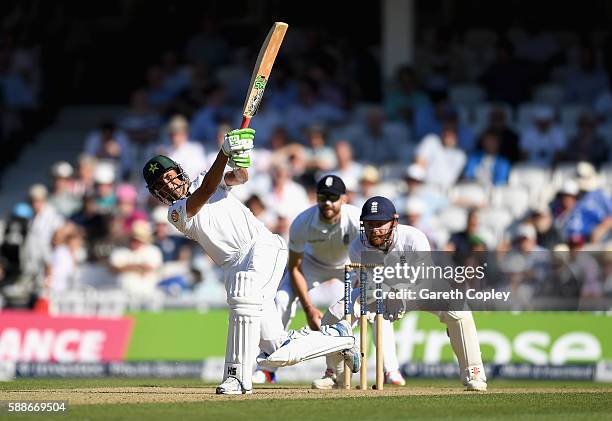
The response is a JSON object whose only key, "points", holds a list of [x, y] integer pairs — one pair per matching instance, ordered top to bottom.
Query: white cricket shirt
{"points": [[224, 227], [406, 239], [326, 244]]}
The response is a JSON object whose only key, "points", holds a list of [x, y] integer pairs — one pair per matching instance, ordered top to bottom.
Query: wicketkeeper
{"points": [[384, 241]]}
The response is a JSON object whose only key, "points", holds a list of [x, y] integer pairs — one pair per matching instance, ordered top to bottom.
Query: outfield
{"points": [[155, 399]]}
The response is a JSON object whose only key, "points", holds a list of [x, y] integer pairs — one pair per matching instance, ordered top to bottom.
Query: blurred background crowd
{"points": [[494, 139]]}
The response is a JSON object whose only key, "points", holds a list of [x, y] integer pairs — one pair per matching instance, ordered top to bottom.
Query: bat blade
{"points": [[261, 72]]}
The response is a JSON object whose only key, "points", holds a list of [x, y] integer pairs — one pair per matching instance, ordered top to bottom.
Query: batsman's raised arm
{"points": [[237, 147], [236, 177], [209, 184]]}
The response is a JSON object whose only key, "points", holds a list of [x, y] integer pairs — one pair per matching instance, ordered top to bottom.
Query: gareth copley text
{"points": [[426, 294]]}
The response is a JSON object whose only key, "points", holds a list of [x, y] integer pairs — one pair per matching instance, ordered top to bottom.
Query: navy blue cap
{"points": [[331, 184], [378, 208]]}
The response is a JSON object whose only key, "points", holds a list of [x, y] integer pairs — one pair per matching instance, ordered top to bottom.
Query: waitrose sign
{"points": [[33, 337], [539, 338]]}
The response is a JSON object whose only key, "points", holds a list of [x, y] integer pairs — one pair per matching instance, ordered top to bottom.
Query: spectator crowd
{"points": [[488, 143]]}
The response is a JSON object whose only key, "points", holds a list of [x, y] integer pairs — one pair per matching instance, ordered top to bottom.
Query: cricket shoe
{"points": [[264, 376], [395, 378], [475, 379], [328, 381], [476, 385], [232, 386]]}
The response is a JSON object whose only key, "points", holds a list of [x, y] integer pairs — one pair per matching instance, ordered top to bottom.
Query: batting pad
{"points": [[243, 330], [464, 341], [305, 345]]}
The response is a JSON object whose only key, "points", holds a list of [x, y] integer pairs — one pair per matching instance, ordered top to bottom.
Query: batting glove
{"points": [[238, 141], [240, 160]]}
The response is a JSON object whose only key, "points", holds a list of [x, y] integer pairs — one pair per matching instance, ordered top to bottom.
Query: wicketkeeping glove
{"points": [[238, 141], [394, 309]]}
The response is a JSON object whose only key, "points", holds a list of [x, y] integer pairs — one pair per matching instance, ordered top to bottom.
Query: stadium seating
{"points": [[466, 94], [551, 94], [483, 111], [525, 114], [569, 115], [605, 131], [563, 171], [392, 172], [606, 174], [530, 176], [469, 194], [513, 198], [453, 218], [496, 220], [439, 233]]}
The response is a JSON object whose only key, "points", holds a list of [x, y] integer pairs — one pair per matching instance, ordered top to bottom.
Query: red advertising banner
{"points": [[35, 337]]}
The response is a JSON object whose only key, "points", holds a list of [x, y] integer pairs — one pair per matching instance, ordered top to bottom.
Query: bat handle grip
{"points": [[245, 122]]}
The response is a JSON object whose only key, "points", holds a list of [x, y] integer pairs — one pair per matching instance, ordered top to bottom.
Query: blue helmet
{"points": [[378, 208]]}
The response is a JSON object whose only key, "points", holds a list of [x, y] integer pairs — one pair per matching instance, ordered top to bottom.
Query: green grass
{"points": [[59, 383], [507, 406], [551, 406]]}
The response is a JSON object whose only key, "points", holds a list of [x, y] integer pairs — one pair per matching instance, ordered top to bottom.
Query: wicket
{"points": [[363, 324]]}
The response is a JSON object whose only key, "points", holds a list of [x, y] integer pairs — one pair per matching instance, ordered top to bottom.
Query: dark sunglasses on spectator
{"points": [[324, 197]]}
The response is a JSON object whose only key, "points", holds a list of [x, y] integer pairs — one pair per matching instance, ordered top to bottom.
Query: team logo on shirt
{"points": [[374, 207], [174, 215]]}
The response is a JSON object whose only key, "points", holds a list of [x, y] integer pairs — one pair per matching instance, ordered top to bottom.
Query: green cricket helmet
{"points": [[167, 192]]}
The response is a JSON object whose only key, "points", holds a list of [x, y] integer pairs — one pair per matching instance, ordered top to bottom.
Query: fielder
{"points": [[385, 242], [318, 250], [253, 260]]}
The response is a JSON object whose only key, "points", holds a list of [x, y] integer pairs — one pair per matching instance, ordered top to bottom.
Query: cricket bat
{"points": [[261, 72]]}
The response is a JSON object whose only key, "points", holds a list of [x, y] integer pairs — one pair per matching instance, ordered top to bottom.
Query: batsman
{"points": [[383, 241], [253, 260]]}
